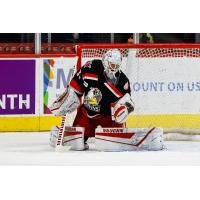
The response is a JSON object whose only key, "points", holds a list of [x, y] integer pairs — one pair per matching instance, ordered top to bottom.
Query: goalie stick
{"points": [[66, 106], [67, 120], [61, 131]]}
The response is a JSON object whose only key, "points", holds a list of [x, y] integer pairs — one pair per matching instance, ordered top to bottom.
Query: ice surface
{"points": [[32, 148]]}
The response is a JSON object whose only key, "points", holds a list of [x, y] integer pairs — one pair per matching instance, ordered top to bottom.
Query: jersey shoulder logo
{"points": [[88, 64], [126, 86]]}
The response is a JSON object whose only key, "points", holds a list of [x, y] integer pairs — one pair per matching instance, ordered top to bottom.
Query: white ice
{"points": [[32, 148]]}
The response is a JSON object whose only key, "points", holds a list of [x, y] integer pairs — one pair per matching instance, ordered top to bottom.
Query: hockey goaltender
{"points": [[100, 92]]}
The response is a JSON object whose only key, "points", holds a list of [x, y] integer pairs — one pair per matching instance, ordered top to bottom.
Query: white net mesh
{"points": [[145, 52], [168, 52], [97, 53], [149, 65]]}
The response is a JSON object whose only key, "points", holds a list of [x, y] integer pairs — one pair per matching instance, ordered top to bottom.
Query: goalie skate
{"points": [[128, 139]]}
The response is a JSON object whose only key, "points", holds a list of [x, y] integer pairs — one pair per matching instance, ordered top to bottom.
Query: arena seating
{"points": [[28, 48]]}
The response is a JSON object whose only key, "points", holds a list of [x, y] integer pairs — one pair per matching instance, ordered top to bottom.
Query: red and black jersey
{"points": [[98, 93]]}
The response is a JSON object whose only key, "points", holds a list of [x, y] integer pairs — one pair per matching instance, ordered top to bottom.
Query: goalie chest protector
{"points": [[98, 92]]}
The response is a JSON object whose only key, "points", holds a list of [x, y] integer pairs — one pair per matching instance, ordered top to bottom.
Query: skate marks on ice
{"points": [[32, 148]]}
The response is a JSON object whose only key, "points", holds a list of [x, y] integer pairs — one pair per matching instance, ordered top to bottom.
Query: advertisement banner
{"points": [[57, 72], [165, 85], [17, 87]]}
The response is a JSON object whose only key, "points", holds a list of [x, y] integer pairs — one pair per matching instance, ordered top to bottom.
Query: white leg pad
{"points": [[53, 136], [73, 137], [128, 139]]}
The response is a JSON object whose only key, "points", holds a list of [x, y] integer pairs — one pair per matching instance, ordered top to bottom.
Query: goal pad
{"points": [[129, 139]]}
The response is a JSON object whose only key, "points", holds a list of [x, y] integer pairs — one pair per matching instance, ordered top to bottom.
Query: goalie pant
{"points": [[90, 124]]}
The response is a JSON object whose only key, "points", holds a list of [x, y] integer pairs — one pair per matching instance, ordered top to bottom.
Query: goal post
{"points": [[164, 79]]}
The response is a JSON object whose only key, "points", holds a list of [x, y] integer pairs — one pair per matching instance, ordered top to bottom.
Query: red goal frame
{"points": [[137, 46]]}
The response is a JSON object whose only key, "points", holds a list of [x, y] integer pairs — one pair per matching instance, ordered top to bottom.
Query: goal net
{"points": [[164, 80]]}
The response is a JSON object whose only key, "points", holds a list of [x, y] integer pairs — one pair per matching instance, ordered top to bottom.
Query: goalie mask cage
{"points": [[163, 56]]}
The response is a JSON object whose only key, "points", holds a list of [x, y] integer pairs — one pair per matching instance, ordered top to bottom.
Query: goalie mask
{"points": [[112, 61]]}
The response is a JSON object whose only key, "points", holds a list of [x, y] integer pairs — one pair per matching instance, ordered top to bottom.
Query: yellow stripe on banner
{"points": [[164, 121], [47, 122], [19, 123], [28, 123], [44, 123]]}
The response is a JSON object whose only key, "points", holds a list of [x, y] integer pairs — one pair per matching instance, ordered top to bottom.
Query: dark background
{"points": [[101, 37]]}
